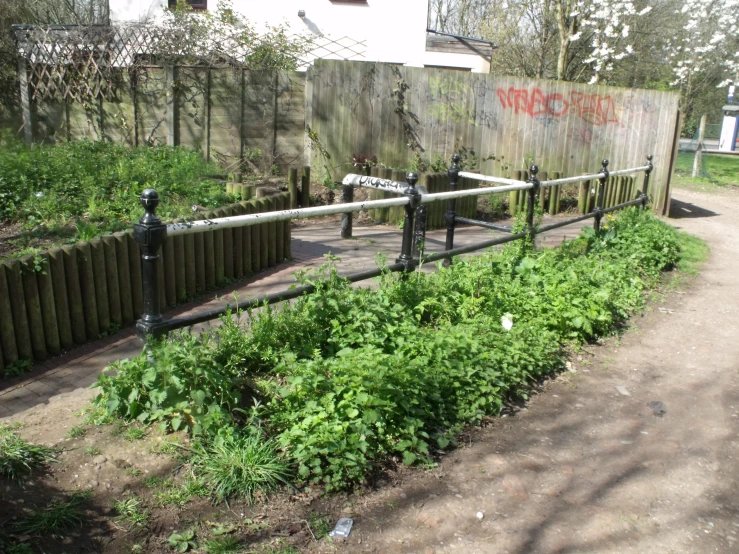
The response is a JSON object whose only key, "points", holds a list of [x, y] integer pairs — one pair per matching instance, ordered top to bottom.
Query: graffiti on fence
{"points": [[449, 100], [591, 108], [455, 111]]}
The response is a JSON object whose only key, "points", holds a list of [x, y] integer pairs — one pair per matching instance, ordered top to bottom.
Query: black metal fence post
{"points": [[604, 174], [645, 187], [347, 197], [531, 201], [451, 213], [150, 233], [419, 234], [406, 248]]}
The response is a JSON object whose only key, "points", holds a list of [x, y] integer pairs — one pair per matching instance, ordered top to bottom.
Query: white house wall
{"points": [[394, 31]]}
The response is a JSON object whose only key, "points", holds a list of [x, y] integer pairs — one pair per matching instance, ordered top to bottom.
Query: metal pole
{"points": [[645, 188], [601, 191], [347, 197], [531, 202], [451, 213], [150, 233], [419, 234], [406, 249]]}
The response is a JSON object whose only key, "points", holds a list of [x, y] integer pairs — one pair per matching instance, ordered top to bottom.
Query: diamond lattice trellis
{"points": [[84, 63]]}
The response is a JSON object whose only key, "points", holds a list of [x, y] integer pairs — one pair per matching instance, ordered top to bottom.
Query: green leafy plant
{"points": [[78, 190], [17, 368], [347, 381], [92, 451], [19, 458], [182, 542]]}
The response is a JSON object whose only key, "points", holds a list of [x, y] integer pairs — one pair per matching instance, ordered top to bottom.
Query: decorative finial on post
{"points": [[649, 163], [533, 170], [412, 178], [149, 200]]}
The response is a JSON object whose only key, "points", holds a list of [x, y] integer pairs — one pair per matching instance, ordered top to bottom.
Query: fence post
{"points": [[25, 100], [699, 147], [604, 174], [645, 188], [347, 197], [531, 201], [451, 213], [150, 232], [419, 233], [406, 249]]}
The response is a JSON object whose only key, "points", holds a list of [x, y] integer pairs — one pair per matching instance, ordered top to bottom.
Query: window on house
{"points": [[194, 4]]}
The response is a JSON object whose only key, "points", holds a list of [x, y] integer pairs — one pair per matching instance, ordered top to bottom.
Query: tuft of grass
{"points": [[693, 253], [96, 415], [75, 432], [134, 434], [92, 451], [19, 458], [238, 466], [133, 471], [174, 494], [132, 512], [56, 518], [223, 545]]}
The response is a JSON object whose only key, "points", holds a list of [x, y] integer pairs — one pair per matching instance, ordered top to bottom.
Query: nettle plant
{"points": [[348, 381]]}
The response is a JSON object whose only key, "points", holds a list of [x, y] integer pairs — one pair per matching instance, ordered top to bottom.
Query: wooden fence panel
{"points": [[565, 127]]}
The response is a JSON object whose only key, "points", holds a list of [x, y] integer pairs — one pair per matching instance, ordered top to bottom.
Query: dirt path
{"points": [[587, 466]]}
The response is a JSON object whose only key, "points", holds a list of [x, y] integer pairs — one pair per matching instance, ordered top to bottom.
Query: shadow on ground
{"points": [[683, 210]]}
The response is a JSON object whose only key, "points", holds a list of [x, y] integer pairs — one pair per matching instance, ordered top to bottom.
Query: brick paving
{"points": [[80, 367]]}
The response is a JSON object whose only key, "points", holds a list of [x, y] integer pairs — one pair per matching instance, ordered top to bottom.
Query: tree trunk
{"points": [[564, 46]]}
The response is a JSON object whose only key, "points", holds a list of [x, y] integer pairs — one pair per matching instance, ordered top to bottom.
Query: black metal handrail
{"points": [[150, 232]]}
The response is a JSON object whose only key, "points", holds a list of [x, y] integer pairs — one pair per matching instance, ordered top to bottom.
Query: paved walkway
{"points": [[80, 367]]}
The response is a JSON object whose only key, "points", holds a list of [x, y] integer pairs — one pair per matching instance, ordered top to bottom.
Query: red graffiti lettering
{"points": [[534, 103], [591, 108]]}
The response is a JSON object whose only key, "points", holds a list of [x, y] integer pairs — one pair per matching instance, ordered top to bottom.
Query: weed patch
{"points": [[74, 191], [347, 381]]}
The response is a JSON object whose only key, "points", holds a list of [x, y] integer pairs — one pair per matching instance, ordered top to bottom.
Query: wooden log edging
{"points": [[77, 293]]}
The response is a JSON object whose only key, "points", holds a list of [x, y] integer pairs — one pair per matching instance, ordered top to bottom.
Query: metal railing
{"points": [[150, 231]]}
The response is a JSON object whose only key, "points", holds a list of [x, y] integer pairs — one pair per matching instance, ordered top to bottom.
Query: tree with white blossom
{"points": [[604, 25], [707, 41]]}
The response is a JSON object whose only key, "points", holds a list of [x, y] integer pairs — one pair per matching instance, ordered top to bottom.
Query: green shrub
{"points": [[345, 379]]}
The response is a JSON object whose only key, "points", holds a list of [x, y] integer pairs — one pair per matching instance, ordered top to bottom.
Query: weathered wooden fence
{"points": [[394, 112], [229, 114], [70, 295]]}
